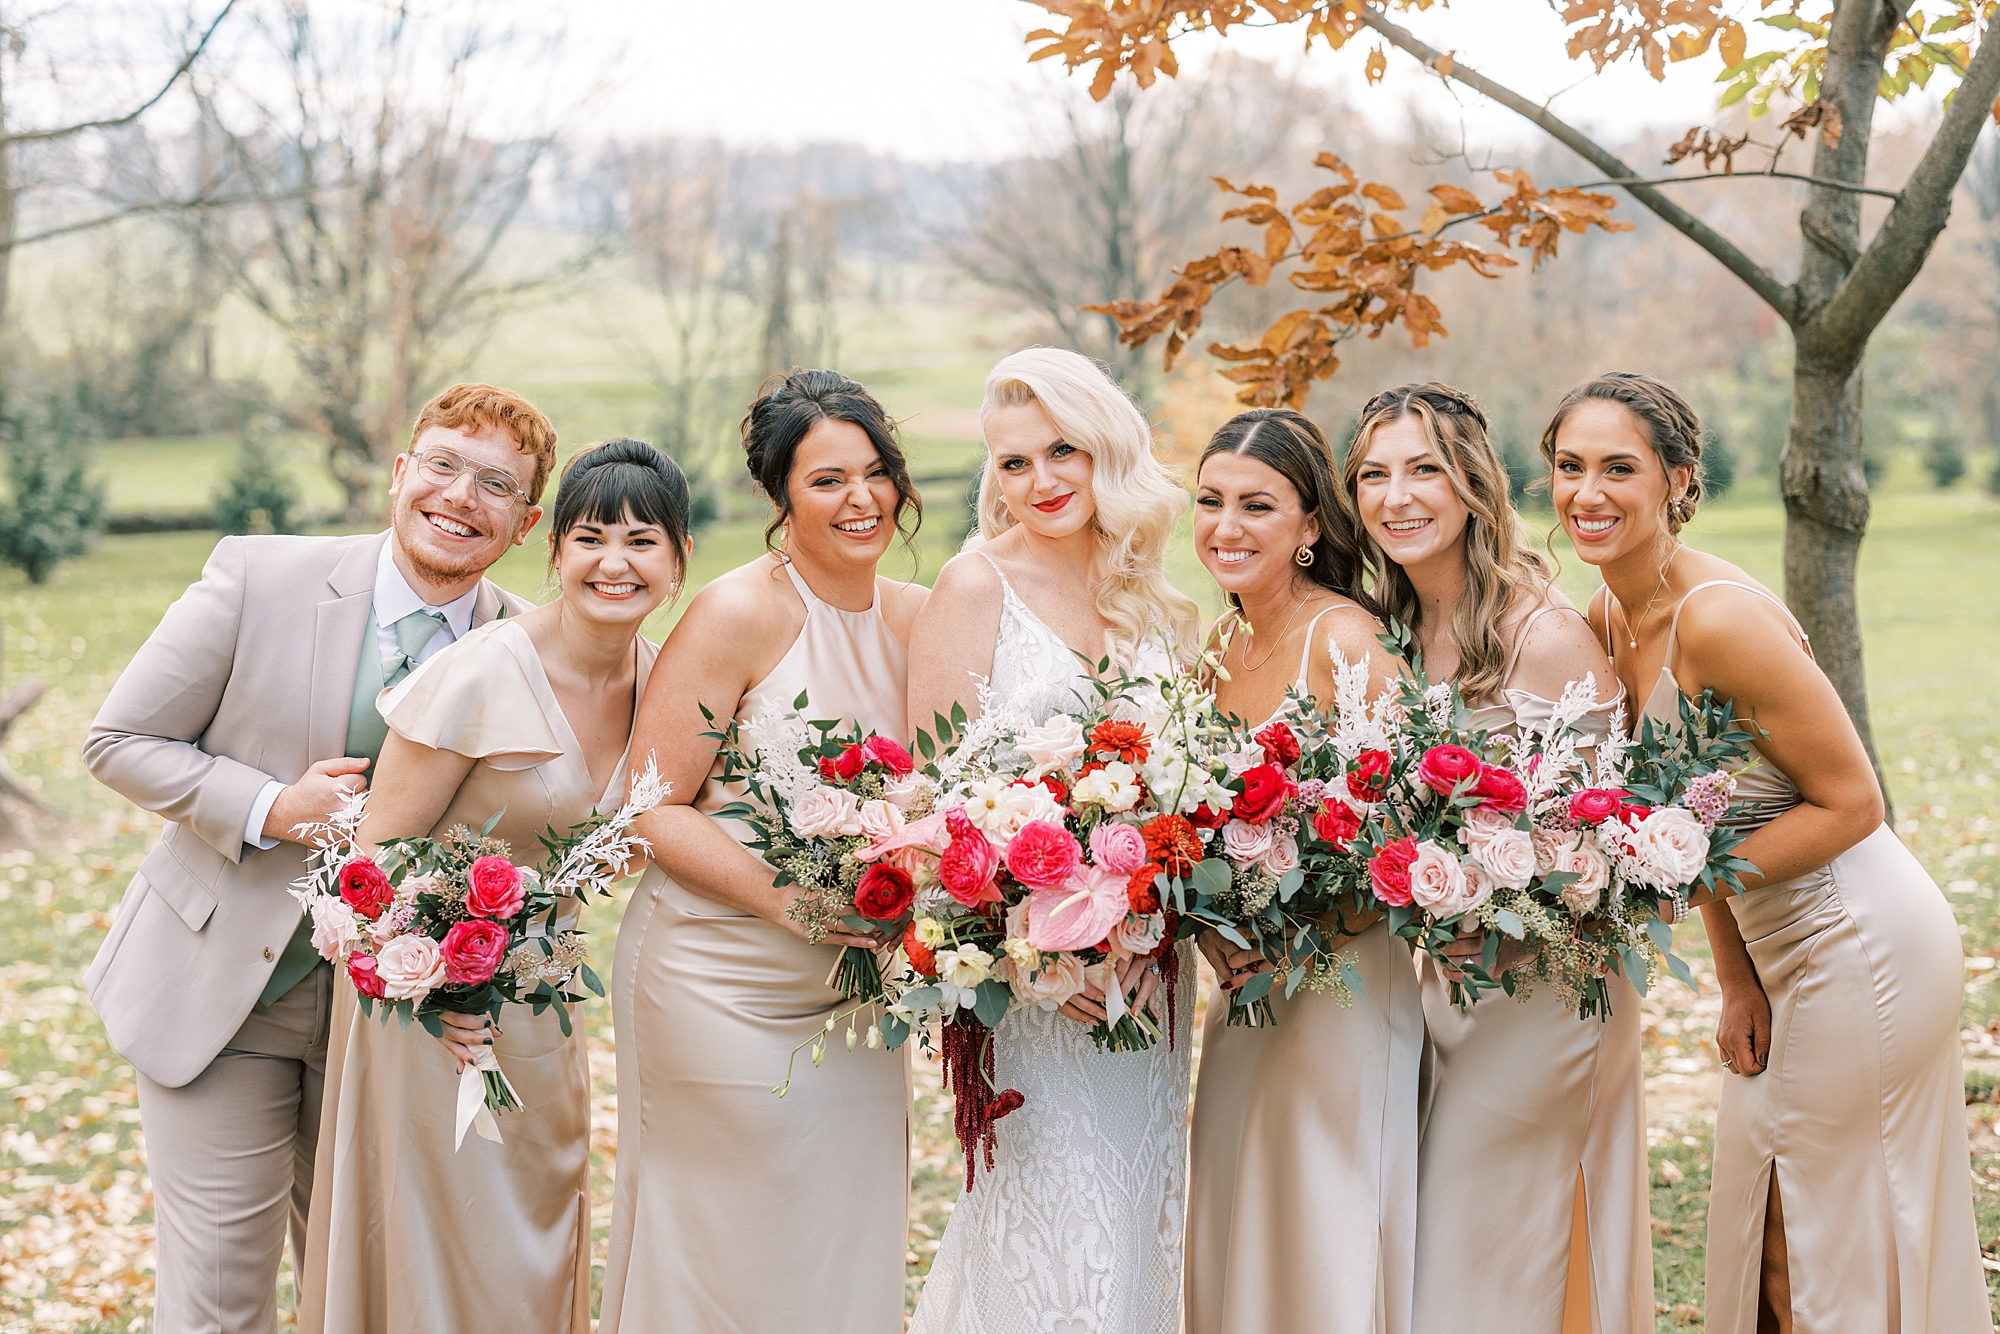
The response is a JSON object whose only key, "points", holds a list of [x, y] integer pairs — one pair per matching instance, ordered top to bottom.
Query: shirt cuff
{"points": [[260, 811]]}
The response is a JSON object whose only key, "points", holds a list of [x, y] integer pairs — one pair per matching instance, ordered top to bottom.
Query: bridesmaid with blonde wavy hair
{"points": [[1524, 1103], [1840, 1198], [1078, 1224]]}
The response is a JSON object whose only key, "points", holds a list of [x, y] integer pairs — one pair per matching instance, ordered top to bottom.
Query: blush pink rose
{"points": [[825, 812], [880, 820], [1482, 823], [1245, 843], [1671, 843], [1118, 847], [1042, 854], [1283, 856], [1509, 856], [1592, 872], [1437, 884], [494, 888], [1138, 934], [472, 951], [411, 967], [1050, 986]]}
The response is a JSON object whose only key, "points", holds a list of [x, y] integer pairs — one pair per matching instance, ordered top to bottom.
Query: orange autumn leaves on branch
{"points": [[1359, 254]]}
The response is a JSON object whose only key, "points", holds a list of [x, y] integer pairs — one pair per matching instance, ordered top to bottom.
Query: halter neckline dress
{"points": [[1861, 1108], [736, 1210], [1302, 1211], [1077, 1228]]}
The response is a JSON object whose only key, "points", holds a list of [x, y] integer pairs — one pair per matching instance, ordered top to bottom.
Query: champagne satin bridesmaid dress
{"points": [[1533, 1112], [1860, 1112], [1302, 1175], [737, 1211], [410, 1235]]}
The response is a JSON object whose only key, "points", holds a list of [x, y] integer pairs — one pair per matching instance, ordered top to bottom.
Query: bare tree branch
{"points": [[187, 63], [1826, 181], [1898, 251], [1777, 294]]}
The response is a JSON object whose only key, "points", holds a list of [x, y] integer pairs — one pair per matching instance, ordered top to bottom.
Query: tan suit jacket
{"points": [[248, 677]]}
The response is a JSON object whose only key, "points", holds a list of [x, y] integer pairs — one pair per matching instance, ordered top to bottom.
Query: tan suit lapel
{"points": [[488, 604], [337, 637]]}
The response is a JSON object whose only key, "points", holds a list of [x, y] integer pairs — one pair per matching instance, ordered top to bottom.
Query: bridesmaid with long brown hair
{"points": [[1523, 1102], [1840, 1198]]}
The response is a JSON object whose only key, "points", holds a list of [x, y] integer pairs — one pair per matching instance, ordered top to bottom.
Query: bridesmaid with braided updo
{"points": [[1840, 1198]]}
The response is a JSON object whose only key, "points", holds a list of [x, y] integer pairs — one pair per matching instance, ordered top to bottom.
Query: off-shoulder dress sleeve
{"points": [[484, 697]]}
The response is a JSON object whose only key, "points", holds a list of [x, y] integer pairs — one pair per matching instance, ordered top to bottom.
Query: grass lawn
{"points": [[74, 1210]]}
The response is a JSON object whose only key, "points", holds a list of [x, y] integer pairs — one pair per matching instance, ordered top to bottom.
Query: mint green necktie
{"points": [[365, 734]]}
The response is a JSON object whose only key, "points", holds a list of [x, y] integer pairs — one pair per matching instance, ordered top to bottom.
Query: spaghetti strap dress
{"points": [[1525, 1103], [1860, 1110], [1302, 1209], [736, 1211], [410, 1235]]}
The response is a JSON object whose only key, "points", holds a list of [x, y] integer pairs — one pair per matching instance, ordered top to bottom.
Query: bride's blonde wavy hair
{"points": [[1139, 503], [1499, 564]]}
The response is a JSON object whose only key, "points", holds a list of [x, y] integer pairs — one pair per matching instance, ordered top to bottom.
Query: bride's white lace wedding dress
{"points": [[1077, 1228]]}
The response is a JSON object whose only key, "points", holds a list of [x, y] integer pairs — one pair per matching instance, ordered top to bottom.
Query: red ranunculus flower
{"points": [[1125, 740], [1281, 747], [881, 750], [850, 764], [1443, 768], [826, 770], [1369, 778], [1057, 789], [1500, 790], [1265, 791], [1595, 805], [1632, 812], [1201, 817], [1337, 823], [1172, 843], [1042, 854], [967, 865], [1389, 872], [493, 888], [365, 889], [1140, 890], [884, 893], [472, 951], [921, 956], [361, 972]]}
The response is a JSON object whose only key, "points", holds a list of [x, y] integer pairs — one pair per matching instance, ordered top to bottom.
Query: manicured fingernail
{"points": [[489, 1040]]}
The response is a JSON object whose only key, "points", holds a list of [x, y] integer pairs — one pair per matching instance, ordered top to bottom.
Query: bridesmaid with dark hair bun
{"points": [[1841, 1198], [737, 1210]]}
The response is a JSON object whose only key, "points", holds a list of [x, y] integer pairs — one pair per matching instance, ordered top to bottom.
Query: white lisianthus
{"points": [[1053, 744], [1115, 787], [999, 807], [825, 812], [1246, 844], [1509, 856], [335, 927], [411, 967], [960, 971]]}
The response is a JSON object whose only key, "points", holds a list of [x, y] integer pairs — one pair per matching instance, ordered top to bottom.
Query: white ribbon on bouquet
{"points": [[472, 1109]]}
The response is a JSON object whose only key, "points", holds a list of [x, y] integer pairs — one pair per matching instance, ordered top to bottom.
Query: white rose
{"points": [[1053, 744], [1239, 761], [1115, 787], [902, 793], [1032, 801], [824, 812], [880, 821], [1482, 824], [1245, 843], [1672, 845], [1283, 856], [1509, 856], [1593, 876], [1437, 881], [335, 927], [1139, 933], [410, 967], [1050, 986]]}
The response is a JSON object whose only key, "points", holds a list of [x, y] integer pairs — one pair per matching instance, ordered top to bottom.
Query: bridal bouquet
{"points": [[828, 815], [454, 924]]}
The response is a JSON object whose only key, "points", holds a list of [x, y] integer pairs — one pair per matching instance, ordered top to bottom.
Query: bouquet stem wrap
{"points": [[483, 1090]]}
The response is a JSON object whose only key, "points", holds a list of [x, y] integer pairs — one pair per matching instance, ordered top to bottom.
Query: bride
{"points": [[1078, 1226]]}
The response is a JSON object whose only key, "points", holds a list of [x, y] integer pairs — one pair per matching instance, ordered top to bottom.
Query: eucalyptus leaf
{"points": [[989, 1004]]}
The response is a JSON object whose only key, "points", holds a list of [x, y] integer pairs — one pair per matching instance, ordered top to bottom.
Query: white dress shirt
{"points": [[394, 599]]}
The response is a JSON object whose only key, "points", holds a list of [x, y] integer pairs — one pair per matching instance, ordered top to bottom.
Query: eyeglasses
{"points": [[440, 465]]}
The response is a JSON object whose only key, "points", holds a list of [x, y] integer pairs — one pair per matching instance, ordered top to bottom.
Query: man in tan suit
{"points": [[249, 710]]}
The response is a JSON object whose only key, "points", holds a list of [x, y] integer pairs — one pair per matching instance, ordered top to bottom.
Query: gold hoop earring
{"points": [[1304, 557]]}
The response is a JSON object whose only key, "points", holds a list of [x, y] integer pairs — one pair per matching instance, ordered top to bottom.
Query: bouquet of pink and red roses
{"points": [[824, 812], [430, 925]]}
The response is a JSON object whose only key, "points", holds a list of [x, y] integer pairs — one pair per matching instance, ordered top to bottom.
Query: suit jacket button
{"points": [[267, 954]]}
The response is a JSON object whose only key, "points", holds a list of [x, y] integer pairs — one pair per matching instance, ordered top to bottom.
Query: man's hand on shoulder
{"points": [[315, 797]]}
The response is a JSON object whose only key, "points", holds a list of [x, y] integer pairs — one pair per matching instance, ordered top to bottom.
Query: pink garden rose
{"points": [[1118, 847], [1043, 853], [967, 865], [1389, 872], [493, 888]]}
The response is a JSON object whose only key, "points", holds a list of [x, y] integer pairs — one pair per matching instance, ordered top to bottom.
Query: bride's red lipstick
{"points": [[1051, 506]]}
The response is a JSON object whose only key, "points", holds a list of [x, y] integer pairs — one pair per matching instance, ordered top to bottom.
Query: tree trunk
{"points": [[1826, 516]]}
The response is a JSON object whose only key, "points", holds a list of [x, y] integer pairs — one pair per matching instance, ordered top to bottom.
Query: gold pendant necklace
{"points": [[1631, 631], [1250, 666]]}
